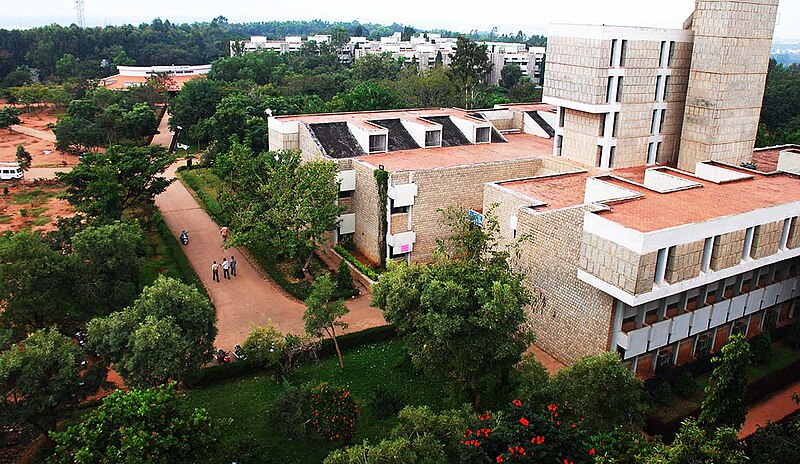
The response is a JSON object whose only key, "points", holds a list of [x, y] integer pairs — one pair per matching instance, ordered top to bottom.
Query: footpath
{"points": [[248, 297]]}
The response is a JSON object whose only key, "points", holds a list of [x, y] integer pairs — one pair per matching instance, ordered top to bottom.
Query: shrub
{"points": [[23, 212], [358, 264], [344, 278], [793, 339], [264, 345], [761, 348], [530, 380], [684, 384], [663, 393], [386, 402], [291, 411], [333, 412]]}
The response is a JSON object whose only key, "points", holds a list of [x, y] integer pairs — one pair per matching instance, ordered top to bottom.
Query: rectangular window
{"points": [[614, 45], [623, 52], [662, 56], [671, 59], [659, 85], [609, 89], [619, 89], [666, 89], [561, 114], [663, 117], [654, 123], [614, 125], [602, 130], [482, 134], [433, 138], [377, 143], [559, 144], [658, 150], [651, 153], [599, 156], [611, 157], [397, 209], [787, 225], [748, 243], [705, 262], [661, 266], [711, 295], [691, 303], [629, 323], [703, 345], [664, 360]]}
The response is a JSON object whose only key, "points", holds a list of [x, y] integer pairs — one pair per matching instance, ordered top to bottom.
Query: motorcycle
{"points": [[184, 237], [238, 353], [222, 356]]}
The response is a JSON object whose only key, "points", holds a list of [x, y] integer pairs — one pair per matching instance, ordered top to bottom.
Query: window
{"points": [[614, 45], [623, 52], [662, 57], [671, 58], [659, 85], [609, 89], [619, 89], [666, 89], [561, 115], [663, 117], [654, 123], [614, 125], [602, 130], [482, 134], [433, 138], [377, 143], [559, 144], [651, 153], [599, 156], [611, 156], [345, 194], [397, 209], [787, 225], [748, 243], [395, 253], [705, 261], [661, 266], [730, 291], [711, 296], [691, 303], [672, 310], [651, 317], [770, 320], [629, 323], [703, 345], [664, 359]]}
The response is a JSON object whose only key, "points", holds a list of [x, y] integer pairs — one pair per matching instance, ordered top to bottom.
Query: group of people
{"points": [[228, 269]]}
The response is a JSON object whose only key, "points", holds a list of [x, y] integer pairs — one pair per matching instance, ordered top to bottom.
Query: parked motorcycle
{"points": [[184, 237], [238, 353], [222, 356]]}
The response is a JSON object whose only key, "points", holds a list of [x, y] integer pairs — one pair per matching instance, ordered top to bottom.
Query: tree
{"points": [[408, 31], [339, 37], [376, 66], [468, 66], [510, 75], [366, 96], [8, 117], [140, 123], [23, 158], [106, 185], [283, 203], [344, 278], [36, 283], [323, 315], [461, 316], [167, 334], [264, 344], [40, 377], [602, 390], [724, 403], [140, 425], [776, 443], [697, 445]]}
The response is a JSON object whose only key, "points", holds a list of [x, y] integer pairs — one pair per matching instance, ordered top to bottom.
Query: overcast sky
{"points": [[458, 15]]}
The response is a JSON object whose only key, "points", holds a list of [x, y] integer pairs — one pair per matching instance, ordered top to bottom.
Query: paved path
{"points": [[39, 134], [45, 173], [247, 298], [774, 408]]}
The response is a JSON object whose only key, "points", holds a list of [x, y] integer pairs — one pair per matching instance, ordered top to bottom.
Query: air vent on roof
{"points": [[749, 166]]}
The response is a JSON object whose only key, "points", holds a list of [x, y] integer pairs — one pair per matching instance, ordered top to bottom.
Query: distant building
{"points": [[130, 76]]}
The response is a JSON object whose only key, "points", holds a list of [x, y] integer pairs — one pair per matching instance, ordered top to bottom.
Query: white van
{"points": [[10, 171]]}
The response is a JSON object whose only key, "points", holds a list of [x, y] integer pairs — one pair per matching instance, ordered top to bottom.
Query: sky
{"points": [[457, 15]]}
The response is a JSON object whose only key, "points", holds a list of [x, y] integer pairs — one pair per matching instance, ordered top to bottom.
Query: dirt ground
{"points": [[42, 151], [32, 205]]}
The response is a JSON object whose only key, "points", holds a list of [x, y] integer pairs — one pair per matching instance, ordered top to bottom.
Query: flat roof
{"points": [[120, 82], [361, 117], [519, 146], [766, 159]]}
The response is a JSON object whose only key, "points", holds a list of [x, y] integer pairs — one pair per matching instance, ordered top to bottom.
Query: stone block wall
{"points": [[577, 69], [581, 131], [281, 141], [308, 144], [460, 186], [364, 201], [506, 203], [398, 223], [794, 234], [766, 238], [727, 251], [683, 261], [616, 264], [570, 318]]}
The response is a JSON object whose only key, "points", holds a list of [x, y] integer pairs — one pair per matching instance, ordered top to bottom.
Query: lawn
{"points": [[207, 188], [244, 403]]}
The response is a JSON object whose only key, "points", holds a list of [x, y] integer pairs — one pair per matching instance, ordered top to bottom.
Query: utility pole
{"points": [[79, 4]]}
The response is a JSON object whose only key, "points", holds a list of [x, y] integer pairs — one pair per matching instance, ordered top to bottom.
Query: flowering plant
{"points": [[333, 412]]}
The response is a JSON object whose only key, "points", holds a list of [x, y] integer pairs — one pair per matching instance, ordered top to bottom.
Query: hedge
{"points": [[211, 205], [363, 268], [188, 274], [224, 372]]}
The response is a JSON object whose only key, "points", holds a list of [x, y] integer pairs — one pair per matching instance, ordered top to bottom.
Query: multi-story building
{"points": [[131, 76], [632, 239]]}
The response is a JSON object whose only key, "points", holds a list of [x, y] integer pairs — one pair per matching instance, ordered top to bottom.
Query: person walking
{"points": [[224, 233], [225, 266], [233, 266], [215, 271]]}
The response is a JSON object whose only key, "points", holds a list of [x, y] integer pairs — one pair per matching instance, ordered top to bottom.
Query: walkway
{"points": [[39, 134], [247, 298], [774, 408]]}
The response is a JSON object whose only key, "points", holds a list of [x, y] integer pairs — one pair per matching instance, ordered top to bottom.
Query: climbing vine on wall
{"points": [[382, 182]]}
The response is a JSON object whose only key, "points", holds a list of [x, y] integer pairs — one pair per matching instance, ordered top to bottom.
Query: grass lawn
{"points": [[207, 188], [34, 197], [244, 403]]}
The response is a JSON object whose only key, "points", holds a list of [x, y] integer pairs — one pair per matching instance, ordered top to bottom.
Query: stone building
{"points": [[635, 235]]}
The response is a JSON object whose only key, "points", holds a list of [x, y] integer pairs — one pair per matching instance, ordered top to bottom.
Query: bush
{"points": [[358, 264], [344, 279], [793, 338], [264, 345], [761, 348], [530, 381], [684, 384], [663, 394], [386, 402], [291, 411], [333, 412]]}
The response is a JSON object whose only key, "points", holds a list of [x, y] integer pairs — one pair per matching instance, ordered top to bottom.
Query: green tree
{"points": [[339, 37], [376, 66], [468, 66], [510, 75], [366, 96], [197, 100], [8, 117], [140, 123], [23, 158], [106, 185], [283, 203], [344, 278], [36, 283], [323, 314], [461, 316], [167, 334], [264, 344], [40, 378], [602, 390], [724, 403], [140, 425], [776, 443], [697, 445]]}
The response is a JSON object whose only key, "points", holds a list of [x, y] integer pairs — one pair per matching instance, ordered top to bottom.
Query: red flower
{"points": [[517, 403], [524, 422], [591, 452], [499, 458]]}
